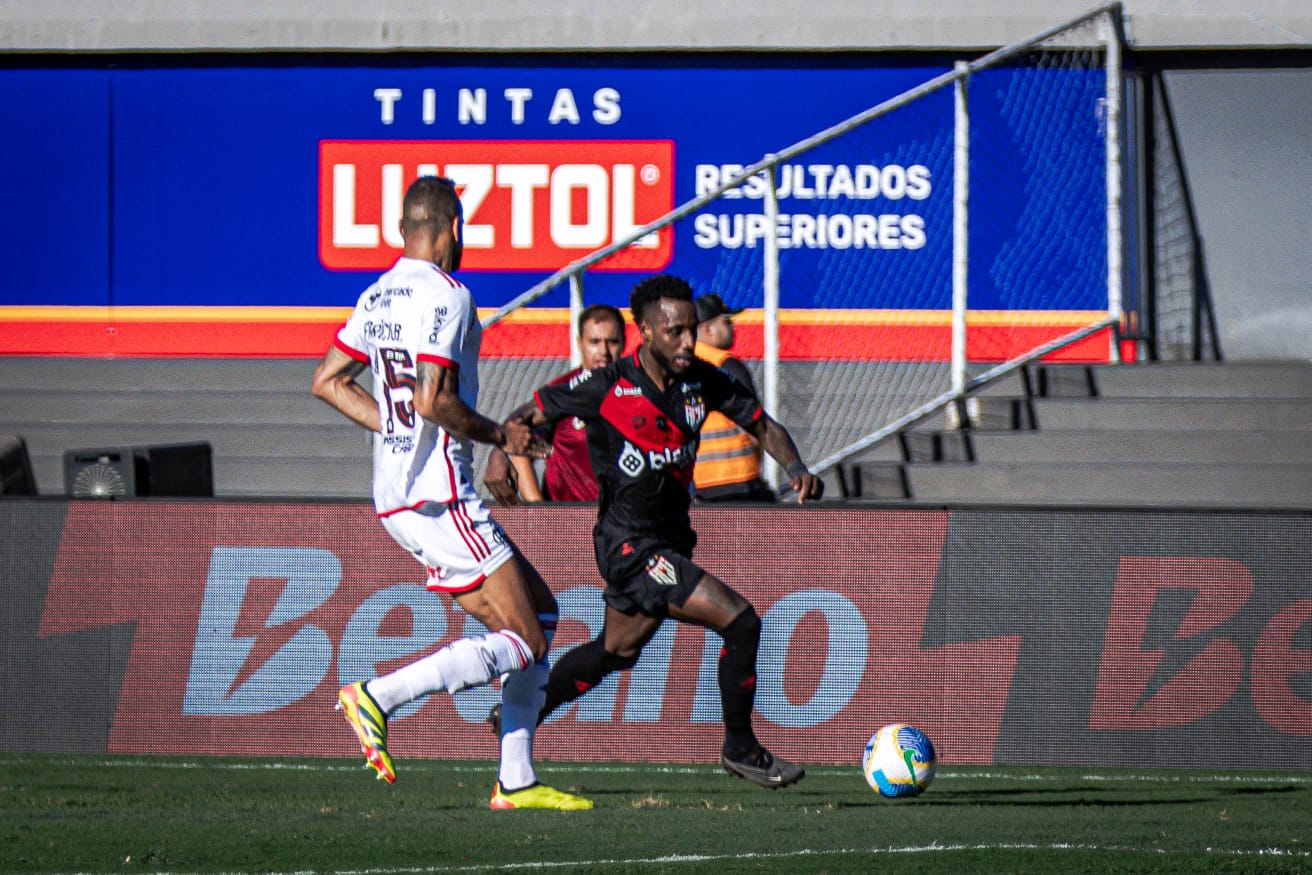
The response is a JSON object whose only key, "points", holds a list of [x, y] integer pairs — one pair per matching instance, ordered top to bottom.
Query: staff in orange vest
{"points": [[728, 459]]}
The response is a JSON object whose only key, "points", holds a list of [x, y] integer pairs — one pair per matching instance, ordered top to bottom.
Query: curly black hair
{"points": [[652, 289]]}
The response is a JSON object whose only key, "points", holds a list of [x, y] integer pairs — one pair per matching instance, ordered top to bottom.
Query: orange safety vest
{"points": [[727, 454]]}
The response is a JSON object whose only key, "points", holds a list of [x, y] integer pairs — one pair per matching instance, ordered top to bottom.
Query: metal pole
{"points": [[1113, 134], [960, 228], [770, 284], [575, 309]]}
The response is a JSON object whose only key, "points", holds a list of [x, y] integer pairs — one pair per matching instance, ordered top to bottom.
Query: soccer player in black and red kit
{"points": [[643, 414]]}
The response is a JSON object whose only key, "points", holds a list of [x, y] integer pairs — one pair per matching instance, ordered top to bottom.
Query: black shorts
{"points": [[645, 575]]}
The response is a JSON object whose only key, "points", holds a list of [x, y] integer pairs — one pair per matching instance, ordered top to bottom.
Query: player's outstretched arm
{"points": [[334, 382], [437, 399], [528, 414], [776, 441]]}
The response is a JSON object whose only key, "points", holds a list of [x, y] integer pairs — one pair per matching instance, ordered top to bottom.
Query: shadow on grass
{"points": [[1109, 797]]}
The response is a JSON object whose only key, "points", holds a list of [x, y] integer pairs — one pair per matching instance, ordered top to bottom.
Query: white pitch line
{"points": [[666, 860]]}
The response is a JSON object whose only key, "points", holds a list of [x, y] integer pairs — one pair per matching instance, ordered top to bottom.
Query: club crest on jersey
{"points": [[694, 410], [631, 461], [662, 570]]}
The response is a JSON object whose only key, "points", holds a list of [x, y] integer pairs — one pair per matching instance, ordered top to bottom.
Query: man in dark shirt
{"points": [[643, 414]]}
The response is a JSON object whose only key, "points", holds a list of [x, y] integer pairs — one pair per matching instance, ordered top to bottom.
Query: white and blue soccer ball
{"points": [[899, 761]]}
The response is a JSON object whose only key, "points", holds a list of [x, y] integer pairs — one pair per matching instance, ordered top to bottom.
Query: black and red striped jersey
{"points": [[643, 440]]}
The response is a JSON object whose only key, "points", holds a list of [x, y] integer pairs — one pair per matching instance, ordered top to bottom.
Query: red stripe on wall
{"points": [[856, 335]]}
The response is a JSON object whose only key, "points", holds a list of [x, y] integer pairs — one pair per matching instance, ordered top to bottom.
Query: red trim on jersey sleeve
{"points": [[351, 351], [439, 360], [538, 401]]}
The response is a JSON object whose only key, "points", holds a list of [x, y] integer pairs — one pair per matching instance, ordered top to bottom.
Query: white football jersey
{"points": [[416, 312]]}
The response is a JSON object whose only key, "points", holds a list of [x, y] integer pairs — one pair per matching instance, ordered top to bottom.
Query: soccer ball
{"points": [[899, 761]]}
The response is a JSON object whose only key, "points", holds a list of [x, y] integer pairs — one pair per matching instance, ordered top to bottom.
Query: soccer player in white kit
{"points": [[417, 329]]}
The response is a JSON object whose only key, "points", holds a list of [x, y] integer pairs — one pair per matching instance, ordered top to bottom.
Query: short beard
{"points": [[665, 364]]}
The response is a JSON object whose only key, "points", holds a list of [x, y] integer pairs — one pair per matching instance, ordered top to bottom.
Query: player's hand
{"points": [[520, 440], [499, 478], [807, 486]]}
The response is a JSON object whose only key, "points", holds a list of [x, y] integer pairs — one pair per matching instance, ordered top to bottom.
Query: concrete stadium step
{"points": [[156, 375], [1176, 379], [205, 406], [1137, 414], [1219, 447], [249, 476], [238, 477], [1133, 484]]}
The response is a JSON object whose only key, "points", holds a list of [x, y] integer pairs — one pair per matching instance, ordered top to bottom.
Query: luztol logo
{"points": [[529, 205]]}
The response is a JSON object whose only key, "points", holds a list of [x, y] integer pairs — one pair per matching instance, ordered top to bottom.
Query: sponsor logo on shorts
{"points": [[662, 570]]}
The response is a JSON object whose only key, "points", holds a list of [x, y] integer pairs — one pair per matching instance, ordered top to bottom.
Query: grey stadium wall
{"points": [[1102, 638]]}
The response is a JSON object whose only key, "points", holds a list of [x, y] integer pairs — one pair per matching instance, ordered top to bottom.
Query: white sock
{"points": [[461, 664], [522, 695]]}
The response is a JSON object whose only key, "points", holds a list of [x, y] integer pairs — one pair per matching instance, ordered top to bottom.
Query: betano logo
{"points": [[529, 205]]}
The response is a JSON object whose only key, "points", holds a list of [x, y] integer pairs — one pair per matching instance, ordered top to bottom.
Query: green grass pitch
{"points": [[94, 814]]}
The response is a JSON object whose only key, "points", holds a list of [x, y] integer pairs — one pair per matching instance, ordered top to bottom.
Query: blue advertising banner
{"points": [[273, 192]]}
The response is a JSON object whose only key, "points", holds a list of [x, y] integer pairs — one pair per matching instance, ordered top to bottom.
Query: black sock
{"points": [[578, 671], [736, 674]]}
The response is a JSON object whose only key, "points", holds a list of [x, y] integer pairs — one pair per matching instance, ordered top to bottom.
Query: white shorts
{"points": [[459, 543]]}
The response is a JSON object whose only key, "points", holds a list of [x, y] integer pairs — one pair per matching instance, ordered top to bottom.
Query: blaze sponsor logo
{"points": [[529, 205], [580, 378], [623, 390], [669, 457], [630, 461], [232, 623], [1170, 655]]}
